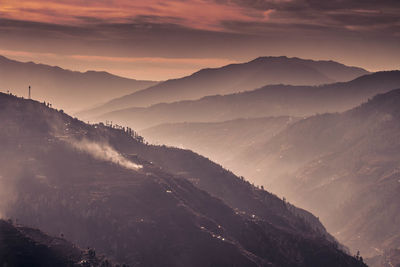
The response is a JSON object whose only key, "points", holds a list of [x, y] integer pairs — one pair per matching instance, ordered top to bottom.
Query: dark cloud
{"points": [[352, 4], [295, 5], [335, 14], [365, 19], [31, 28], [273, 28], [136, 38]]}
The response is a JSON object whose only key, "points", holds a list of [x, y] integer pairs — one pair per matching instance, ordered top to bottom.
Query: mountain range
{"points": [[234, 78], [65, 89], [271, 100], [220, 141], [342, 166], [346, 170], [101, 186]]}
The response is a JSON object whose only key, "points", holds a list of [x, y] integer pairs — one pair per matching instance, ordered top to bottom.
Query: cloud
{"points": [[196, 14], [336, 14], [210, 15], [226, 30]]}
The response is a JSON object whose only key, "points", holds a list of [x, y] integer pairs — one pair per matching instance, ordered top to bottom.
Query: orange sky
{"points": [[198, 14], [165, 39]]}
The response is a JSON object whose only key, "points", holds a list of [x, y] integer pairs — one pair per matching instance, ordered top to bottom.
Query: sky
{"points": [[158, 40]]}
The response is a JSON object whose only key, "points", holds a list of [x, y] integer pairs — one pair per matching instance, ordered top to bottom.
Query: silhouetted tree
{"points": [[92, 253], [357, 256]]}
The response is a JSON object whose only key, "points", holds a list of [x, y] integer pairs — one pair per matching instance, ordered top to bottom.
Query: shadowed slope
{"points": [[28, 247]]}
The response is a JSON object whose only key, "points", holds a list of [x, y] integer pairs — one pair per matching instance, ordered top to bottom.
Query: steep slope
{"points": [[235, 78], [69, 90], [277, 100], [220, 141], [343, 167], [98, 187], [24, 246]]}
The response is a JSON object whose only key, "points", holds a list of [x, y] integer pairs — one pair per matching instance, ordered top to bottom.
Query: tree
{"points": [[92, 253], [357, 256]]}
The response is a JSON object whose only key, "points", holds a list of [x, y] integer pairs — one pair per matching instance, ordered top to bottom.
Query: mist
{"points": [[105, 152]]}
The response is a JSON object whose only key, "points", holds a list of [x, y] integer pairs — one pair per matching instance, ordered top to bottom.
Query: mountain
{"points": [[232, 79], [69, 90], [275, 100], [220, 141], [344, 167], [145, 205], [25, 246], [18, 249]]}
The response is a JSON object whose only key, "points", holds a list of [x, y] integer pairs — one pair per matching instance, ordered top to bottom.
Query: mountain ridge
{"points": [[234, 78], [53, 84], [271, 100], [214, 139]]}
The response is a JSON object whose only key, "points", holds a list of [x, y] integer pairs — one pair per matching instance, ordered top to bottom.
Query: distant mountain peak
{"points": [[233, 78]]}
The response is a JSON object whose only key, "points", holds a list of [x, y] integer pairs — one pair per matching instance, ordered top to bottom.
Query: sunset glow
{"points": [[198, 14], [176, 38]]}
